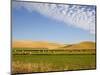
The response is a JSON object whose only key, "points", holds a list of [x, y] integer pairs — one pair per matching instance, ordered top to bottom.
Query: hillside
{"points": [[35, 44], [49, 45], [81, 45]]}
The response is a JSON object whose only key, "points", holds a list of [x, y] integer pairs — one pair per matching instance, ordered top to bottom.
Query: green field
{"points": [[25, 51], [52, 62]]}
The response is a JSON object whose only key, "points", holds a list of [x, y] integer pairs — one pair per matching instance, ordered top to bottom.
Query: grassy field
{"points": [[25, 51], [31, 57], [52, 62]]}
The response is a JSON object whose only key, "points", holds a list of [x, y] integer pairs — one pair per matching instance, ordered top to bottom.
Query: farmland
{"points": [[25, 51], [32, 60], [45, 63]]}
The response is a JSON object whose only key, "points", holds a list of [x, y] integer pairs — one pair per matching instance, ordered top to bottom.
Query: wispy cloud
{"points": [[80, 16]]}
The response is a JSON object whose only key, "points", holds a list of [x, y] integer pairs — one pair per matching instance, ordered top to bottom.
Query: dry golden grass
{"points": [[35, 44], [49, 45], [81, 45], [20, 67]]}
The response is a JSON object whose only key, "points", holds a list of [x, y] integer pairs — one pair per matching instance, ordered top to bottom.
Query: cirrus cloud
{"points": [[80, 16]]}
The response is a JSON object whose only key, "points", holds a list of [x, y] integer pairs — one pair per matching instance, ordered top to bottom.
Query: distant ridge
{"points": [[35, 44], [49, 45], [81, 45]]}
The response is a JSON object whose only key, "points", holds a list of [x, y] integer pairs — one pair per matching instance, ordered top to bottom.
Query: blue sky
{"points": [[30, 24]]}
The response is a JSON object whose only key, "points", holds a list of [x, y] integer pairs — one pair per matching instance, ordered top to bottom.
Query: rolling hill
{"points": [[35, 44], [49, 45], [81, 45]]}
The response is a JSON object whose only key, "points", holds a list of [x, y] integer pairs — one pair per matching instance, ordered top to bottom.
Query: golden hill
{"points": [[35, 44], [42, 44], [81, 45]]}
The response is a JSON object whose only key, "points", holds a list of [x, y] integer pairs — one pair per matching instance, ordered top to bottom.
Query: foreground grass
{"points": [[47, 63], [20, 67]]}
